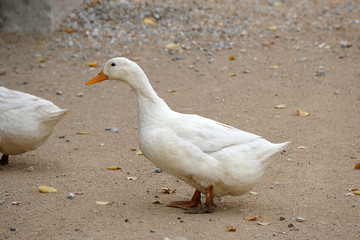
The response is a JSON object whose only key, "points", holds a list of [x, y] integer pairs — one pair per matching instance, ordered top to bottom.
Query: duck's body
{"points": [[26, 122], [214, 158]]}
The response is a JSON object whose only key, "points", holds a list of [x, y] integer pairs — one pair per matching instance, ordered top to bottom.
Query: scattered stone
{"points": [[2, 72], [59, 93], [80, 94], [112, 129], [30, 169], [158, 170], [70, 195], [2, 202], [12, 228], [152, 231]]}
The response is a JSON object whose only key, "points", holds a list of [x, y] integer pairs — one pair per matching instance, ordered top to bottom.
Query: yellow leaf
{"points": [[276, 4], [148, 21], [273, 27], [69, 30], [42, 42], [173, 46], [232, 58], [41, 60], [92, 64], [274, 67], [232, 74], [171, 90], [280, 106], [302, 113], [82, 133], [302, 147], [139, 152], [357, 166], [114, 168], [45, 189], [253, 193], [357, 193], [156, 201], [102, 202], [252, 218], [263, 223], [230, 229]]}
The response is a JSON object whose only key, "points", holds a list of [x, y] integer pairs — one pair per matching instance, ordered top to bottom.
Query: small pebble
{"points": [[2, 72], [59, 93], [80, 94], [112, 129], [158, 170], [70, 195], [2, 202], [12, 228], [152, 231]]}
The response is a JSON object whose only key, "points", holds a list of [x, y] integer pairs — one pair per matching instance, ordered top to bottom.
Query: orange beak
{"points": [[99, 78]]}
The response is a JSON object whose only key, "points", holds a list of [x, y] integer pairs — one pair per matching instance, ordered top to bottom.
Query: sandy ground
{"points": [[310, 183]]}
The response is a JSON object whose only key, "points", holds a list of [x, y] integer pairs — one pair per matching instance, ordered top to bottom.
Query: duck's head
{"points": [[121, 69]]}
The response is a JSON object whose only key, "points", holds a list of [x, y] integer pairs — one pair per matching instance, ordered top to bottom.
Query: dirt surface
{"points": [[303, 195]]}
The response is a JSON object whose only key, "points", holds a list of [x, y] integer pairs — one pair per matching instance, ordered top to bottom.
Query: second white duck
{"points": [[26, 122], [214, 158]]}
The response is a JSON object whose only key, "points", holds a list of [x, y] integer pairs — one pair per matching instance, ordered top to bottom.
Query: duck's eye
{"points": [[113, 64]]}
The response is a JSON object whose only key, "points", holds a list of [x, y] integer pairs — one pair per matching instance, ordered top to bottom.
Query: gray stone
{"points": [[34, 16]]}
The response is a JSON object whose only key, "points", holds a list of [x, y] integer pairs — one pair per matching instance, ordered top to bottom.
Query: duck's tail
{"points": [[270, 150]]}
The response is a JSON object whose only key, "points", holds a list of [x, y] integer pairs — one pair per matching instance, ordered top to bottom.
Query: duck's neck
{"points": [[150, 105]]}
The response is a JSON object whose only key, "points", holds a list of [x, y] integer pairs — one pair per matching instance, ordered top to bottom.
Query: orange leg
{"points": [[195, 201], [209, 205]]}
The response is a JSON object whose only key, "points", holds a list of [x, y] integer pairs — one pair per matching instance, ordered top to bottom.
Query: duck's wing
{"points": [[13, 100], [209, 135]]}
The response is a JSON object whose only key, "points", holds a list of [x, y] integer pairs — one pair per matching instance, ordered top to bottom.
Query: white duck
{"points": [[26, 122], [214, 158]]}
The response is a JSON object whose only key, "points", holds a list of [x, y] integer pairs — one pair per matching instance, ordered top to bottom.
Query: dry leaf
{"points": [[148, 21], [273, 27], [69, 30], [173, 46], [232, 58], [41, 60], [92, 64], [274, 67], [232, 74], [171, 90], [280, 106], [302, 113], [82, 133], [302, 147], [139, 152], [357, 166], [114, 168], [132, 178], [46, 189], [353, 189], [168, 190], [254, 193], [357, 193], [156, 201], [102, 202], [252, 218], [300, 219], [263, 223], [230, 229]]}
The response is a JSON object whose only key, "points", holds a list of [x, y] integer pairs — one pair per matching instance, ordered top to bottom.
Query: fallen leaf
{"points": [[276, 4], [148, 21], [273, 27], [69, 30], [173, 46], [232, 58], [41, 60], [92, 64], [274, 67], [232, 74], [171, 90], [280, 106], [302, 113], [82, 133], [302, 147], [139, 152], [357, 166], [114, 168], [132, 178], [45, 189], [353, 189], [168, 190], [79, 193], [254, 193], [357, 193], [156, 201], [102, 202], [252, 218], [300, 219], [263, 223], [230, 229]]}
